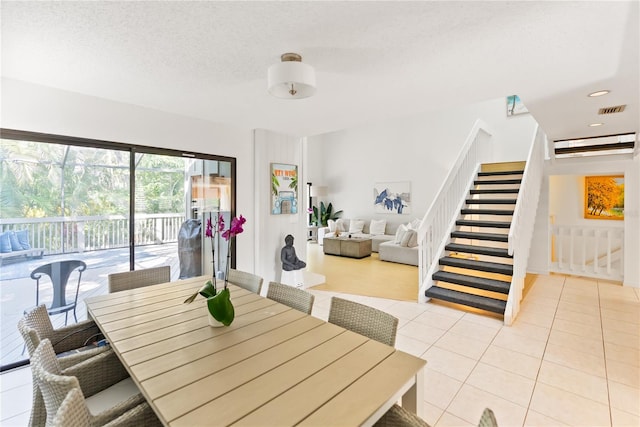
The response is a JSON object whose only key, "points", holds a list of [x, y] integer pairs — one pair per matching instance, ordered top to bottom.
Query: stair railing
{"points": [[524, 215], [439, 219]]}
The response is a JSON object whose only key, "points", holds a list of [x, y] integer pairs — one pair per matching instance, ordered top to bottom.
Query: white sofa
{"points": [[382, 232], [395, 245]]}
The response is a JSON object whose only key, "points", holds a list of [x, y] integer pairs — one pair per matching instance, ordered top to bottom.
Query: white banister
{"points": [[524, 214], [441, 215], [600, 249]]}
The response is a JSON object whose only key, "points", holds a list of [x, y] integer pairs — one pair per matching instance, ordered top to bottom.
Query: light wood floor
{"points": [[367, 276]]}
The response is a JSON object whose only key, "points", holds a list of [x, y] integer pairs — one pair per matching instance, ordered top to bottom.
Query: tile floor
{"points": [[571, 358]]}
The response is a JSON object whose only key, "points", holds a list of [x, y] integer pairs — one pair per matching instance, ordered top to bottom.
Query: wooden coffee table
{"points": [[352, 247]]}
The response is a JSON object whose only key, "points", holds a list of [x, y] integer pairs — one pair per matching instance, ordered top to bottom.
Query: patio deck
{"points": [[17, 289]]}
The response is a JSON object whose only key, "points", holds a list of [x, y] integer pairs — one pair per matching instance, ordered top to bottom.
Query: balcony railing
{"points": [[59, 235]]}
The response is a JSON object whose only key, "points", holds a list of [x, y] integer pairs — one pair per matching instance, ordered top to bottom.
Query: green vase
{"points": [[221, 308]]}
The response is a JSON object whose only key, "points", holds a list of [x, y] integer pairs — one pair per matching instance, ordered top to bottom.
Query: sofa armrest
{"points": [[321, 232]]}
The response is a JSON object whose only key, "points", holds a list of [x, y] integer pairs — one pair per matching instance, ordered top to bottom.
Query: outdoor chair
{"points": [[59, 273], [138, 278], [245, 280], [293, 297], [365, 320], [95, 377], [73, 412], [397, 416]]}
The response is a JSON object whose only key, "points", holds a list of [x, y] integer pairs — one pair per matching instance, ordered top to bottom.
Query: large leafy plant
{"points": [[320, 217]]}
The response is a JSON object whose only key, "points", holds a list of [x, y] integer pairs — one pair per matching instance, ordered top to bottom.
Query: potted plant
{"points": [[325, 213], [221, 311]]}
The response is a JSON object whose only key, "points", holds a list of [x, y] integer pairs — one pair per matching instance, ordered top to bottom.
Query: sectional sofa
{"points": [[392, 241]]}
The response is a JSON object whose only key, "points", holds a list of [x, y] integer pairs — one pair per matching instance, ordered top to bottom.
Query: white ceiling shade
{"points": [[291, 79]]}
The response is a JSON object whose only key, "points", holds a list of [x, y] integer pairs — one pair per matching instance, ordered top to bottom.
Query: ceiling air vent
{"points": [[612, 110]]}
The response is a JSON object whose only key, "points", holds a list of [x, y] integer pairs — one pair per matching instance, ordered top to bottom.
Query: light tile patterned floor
{"points": [[571, 358]]}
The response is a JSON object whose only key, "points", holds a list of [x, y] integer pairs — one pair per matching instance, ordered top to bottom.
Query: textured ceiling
{"points": [[373, 60]]}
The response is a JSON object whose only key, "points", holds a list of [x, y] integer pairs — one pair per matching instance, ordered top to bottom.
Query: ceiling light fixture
{"points": [[290, 78], [598, 93], [595, 124]]}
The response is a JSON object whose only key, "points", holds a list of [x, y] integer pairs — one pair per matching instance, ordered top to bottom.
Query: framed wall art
{"points": [[515, 106], [284, 189], [392, 197], [604, 197]]}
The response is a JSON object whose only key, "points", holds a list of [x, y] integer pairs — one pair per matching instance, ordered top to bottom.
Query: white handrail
{"points": [[524, 214], [441, 215], [595, 251]]}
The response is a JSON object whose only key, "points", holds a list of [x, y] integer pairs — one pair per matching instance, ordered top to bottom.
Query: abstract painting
{"points": [[284, 189], [392, 197], [604, 197]]}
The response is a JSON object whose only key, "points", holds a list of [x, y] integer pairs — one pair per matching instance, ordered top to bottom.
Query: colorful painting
{"points": [[515, 106], [284, 189], [392, 197], [604, 197]]}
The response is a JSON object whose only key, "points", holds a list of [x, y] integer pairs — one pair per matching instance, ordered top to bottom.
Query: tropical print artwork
{"points": [[284, 189]]}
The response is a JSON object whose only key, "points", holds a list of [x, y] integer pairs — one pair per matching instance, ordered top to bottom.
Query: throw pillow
{"points": [[332, 226], [340, 226], [356, 226], [377, 227], [400, 233], [409, 237], [23, 238], [13, 239], [413, 239], [5, 243]]}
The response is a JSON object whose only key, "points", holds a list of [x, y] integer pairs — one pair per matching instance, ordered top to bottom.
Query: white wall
{"points": [[42, 109], [272, 147], [419, 149], [565, 198]]}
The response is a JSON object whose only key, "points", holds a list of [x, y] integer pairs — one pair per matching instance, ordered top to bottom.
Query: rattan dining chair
{"points": [[138, 278], [245, 280], [293, 297], [365, 320], [69, 343], [95, 375], [73, 412], [397, 416], [488, 419]]}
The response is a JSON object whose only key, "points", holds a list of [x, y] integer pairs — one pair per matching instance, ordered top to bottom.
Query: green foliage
{"points": [[43, 180], [275, 184], [325, 214], [221, 308]]}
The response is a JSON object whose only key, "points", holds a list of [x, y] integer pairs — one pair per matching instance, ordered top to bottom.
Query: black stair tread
{"points": [[511, 172], [497, 181], [494, 190], [491, 201], [468, 211], [491, 224], [496, 237], [480, 250], [491, 267], [472, 281], [470, 300]]}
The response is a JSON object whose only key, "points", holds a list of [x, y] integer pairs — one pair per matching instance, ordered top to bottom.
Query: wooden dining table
{"points": [[272, 366]]}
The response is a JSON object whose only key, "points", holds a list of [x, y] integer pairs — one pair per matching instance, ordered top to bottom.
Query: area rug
{"points": [[367, 276]]}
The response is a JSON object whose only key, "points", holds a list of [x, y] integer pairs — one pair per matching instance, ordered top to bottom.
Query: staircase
{"points": [[476, 270]]}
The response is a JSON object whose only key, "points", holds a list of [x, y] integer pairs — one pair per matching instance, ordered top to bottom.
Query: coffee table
{"points": [[352, 247]]}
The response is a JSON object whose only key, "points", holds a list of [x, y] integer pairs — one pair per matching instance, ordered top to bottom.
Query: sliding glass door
{"points": [[115, 207]]}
